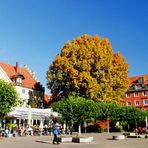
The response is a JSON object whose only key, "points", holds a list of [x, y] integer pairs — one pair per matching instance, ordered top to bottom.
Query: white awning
{"points": [[34, 113]]}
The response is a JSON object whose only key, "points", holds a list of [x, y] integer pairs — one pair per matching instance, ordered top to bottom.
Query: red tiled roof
{"points": [[11, 71], [132, 80], [47, 98]]}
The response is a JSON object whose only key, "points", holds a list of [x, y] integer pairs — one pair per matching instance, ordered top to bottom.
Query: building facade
{"points": [[28, 88], [30, 92], [137, 93]]}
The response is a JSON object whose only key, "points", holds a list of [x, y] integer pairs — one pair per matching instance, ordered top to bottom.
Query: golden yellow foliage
{"points": [[88, 67]]}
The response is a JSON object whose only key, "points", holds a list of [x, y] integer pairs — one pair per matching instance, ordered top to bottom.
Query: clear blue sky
{"points": [[32, 32]]}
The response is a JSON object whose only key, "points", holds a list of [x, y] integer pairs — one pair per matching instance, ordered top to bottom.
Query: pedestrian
{"points": [[45, 129], [6, 132], [55, 133]]}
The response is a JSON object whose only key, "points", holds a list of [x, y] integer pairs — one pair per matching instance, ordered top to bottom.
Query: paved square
{"points": [[100, 141]]}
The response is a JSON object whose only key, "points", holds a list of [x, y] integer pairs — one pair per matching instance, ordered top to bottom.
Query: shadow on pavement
{"points": [[109, 138], [43, 142]]}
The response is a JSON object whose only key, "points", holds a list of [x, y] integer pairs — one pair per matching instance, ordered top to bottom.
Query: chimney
{"points": [[17, 67]]}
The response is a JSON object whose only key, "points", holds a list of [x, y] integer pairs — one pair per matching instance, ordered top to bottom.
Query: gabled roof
{"points": [[134, 79], [28, 80]]}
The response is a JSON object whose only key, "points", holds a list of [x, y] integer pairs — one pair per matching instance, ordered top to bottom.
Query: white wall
{"points": [[23, 92]]}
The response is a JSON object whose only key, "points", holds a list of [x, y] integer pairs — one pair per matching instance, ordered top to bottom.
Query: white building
{"points": [[27, 86], [30, 91]]}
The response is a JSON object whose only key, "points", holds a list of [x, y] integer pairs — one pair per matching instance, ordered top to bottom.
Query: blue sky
{"points": [[32, 32]]}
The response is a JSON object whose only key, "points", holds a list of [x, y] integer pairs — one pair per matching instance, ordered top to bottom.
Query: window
{"points": [[18, 80], [141, 80], [136, 87], [23, 91], [145, 93], [136, 94], [127, 95], [145, 102], [128, 103], [137, 103]]}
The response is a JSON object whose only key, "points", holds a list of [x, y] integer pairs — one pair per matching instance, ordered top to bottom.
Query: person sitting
{"points": [[46, 129], [21, 130], [30, 131], [139, 131], [6, 132]]}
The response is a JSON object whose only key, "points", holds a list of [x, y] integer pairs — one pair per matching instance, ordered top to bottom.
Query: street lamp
{"points": [[146, 123]]}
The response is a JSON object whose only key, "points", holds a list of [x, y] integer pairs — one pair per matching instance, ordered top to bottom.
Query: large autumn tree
{"points": [[88, 67], [8, 97]]}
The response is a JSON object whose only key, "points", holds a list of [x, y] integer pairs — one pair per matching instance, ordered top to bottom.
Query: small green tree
{"points": [[8, 97], [76, 109], [107, 111], [146, 113], [132, 116]]}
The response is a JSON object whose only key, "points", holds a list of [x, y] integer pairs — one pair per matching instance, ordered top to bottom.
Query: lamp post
{"points": [[146, 123], [85, 125], [108, 125]]}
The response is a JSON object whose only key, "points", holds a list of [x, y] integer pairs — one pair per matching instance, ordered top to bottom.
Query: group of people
{"points": [[141, 130], [21, 131], [25, 131], [29, 131]]}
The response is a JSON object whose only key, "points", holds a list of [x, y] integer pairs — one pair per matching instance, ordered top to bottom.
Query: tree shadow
{"points": [[110, 139]]}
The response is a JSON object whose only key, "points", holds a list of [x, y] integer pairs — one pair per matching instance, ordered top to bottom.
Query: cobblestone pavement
{"points": [[100, 141]]}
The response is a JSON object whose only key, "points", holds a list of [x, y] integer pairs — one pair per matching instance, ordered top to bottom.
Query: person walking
{"points": [[55, 133]]}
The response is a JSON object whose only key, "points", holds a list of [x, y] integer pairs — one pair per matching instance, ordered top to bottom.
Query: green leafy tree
{"points": [[88, 67], [8, 97], [75, 109], [108, 111], [146, 113], [131, 116], [146, 117]]}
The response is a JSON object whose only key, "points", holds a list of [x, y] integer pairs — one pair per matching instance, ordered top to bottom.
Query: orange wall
{"points": [[139, 98]]}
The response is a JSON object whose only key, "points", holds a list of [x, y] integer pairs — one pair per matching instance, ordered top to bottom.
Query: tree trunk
{"points": [[79, 129]]}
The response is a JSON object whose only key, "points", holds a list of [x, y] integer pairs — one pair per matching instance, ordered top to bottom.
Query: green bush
{"points": [[11, 125], [119, 128], [101, 130]]}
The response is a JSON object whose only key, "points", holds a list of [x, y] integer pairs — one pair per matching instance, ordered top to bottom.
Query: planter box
{"points": [[132, 134], [118, 137], [64, 139], [82, 139]]}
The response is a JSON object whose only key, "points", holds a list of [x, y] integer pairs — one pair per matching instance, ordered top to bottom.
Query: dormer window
{"points": [[18, 79], [141, 80], [136, 87]]}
